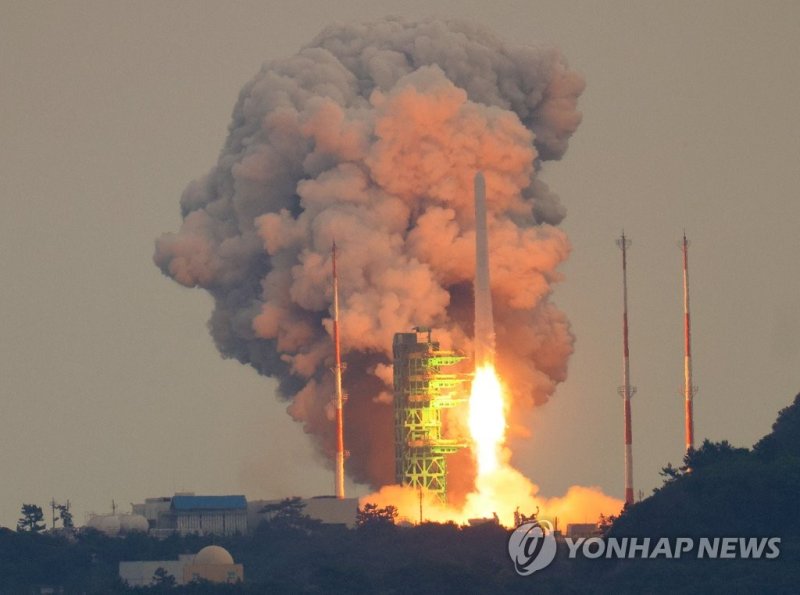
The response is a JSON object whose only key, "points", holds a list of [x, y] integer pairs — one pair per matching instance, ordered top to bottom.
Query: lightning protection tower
{"points": [[689, 389], [626, 391]]}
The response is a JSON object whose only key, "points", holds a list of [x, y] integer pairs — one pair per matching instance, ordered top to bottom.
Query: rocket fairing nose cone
{"points": [[484, 322]]}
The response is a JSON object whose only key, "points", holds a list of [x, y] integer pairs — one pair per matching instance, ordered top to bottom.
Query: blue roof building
{"points": [[197, 503], [204, 515]]}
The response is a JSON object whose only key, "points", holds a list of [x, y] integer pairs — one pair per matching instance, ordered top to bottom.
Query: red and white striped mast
{"points": [[688, 388], [626, 390], [339, 402]]}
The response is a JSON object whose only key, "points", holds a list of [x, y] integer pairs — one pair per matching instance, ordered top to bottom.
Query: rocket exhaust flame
{"points": [[487, 420]]}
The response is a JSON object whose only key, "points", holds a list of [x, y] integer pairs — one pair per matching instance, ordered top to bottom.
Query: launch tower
{"points": [[422, 389]]}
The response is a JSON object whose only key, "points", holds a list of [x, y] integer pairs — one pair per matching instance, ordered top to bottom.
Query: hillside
{"points": [[721, 491]]}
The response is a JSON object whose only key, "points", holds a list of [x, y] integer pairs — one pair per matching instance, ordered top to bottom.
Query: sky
{"points": [[110, 386]]}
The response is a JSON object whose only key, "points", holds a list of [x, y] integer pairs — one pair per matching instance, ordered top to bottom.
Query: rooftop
{"points": [[209, 503]]}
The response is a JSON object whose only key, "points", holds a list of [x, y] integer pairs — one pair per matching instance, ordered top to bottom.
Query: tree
{"points": [[784, 440], [713, 453], [671, 473], [285, 509], [288, 513], [65, 515], [372, 516], [520, 518], [31, 520], [605, 523], [162, 578]]}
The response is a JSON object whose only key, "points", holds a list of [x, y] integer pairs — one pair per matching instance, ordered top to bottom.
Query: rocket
{"points": [[484, 319]]}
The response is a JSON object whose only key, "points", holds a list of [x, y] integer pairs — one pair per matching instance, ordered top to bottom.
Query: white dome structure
{"points": [[105, 523], [129, 523], [118, 524], [213, 555]]}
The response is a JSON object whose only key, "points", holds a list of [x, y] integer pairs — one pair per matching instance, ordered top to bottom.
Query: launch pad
{"points": [[422, 389]]}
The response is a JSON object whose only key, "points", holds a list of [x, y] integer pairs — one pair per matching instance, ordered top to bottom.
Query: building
{"points": [[422, 390], [152, 509], [327, 509], [186, 513], [158, 515], [220, 515], [115, 525], [578, 530], [212, 563], [215, 564], [143, 573]]}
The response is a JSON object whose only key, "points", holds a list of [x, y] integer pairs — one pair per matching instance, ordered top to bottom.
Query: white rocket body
{"points": [[484, 319]]}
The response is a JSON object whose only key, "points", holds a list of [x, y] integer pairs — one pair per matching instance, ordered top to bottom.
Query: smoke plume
{"points": [[371, 135]]}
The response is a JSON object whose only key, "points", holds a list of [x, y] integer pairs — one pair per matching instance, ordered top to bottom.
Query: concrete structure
{"points": [[422, 389], [153, 509], [327, 509], [332, 511], [186, 513], [204, 515], [118, 524], [578, 530], [212, 563], [142, 573]]}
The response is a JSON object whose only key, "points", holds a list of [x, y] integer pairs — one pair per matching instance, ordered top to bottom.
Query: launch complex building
{"points": [[427, 379], [424, 385]]}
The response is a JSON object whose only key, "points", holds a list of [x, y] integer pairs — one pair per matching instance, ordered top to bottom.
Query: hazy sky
{"points": [[111, 386]]}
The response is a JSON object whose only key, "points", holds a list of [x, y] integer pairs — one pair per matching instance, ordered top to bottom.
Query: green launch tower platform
{"points": [[422, 389]]}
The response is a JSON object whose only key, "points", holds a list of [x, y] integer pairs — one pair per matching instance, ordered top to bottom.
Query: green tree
{"points": [[31, 520]]}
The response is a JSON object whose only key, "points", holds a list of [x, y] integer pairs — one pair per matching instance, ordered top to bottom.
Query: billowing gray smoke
{"points": [[372, 135]]}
